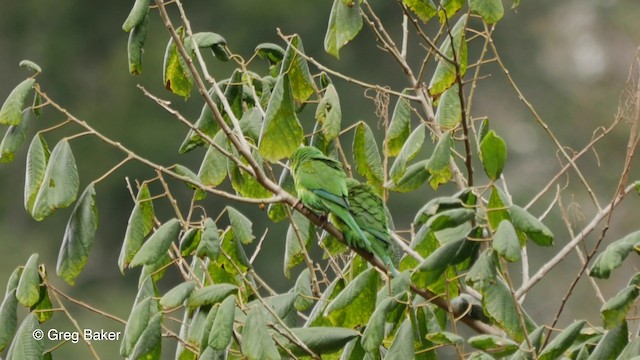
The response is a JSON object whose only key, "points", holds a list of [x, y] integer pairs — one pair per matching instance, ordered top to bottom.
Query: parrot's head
{"points": [[303, 154]]}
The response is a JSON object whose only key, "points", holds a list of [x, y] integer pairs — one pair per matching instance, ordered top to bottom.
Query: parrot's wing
{"points": [[324, 177], [339, 200], [343, 214]]}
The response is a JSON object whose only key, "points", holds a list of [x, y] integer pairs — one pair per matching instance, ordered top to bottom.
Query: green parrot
{"points": [[321, 186], [367, 209]]}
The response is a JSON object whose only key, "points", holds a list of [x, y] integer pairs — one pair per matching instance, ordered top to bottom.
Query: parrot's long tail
{"points": [[344, 215]]}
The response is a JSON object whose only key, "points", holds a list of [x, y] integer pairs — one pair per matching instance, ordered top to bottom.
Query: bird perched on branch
{"points": [[322, 186]]}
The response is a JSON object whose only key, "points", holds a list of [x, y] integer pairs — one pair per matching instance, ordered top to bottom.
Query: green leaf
{"points": [[451, 7], [425, 9], [490, 10], [136, 15], [345, 22], [209, 40], [135, 44], [271, 52], [28, 64], [296, 67], [445, 74], [175, 76], [11, 111], [449, 112], [328, 113], [207, 125], [399, 127], [281, 132], [15, 136], [410, 149], [493, 153], [366, 156], [37, 158], [438, 165], [213, 169], [415, 176], [60, 183], [194, 183], [244, 183], [435, 206], [496, 210], [277, 211], [450, 218], [523, 221], [139, 226], [242, 226], [78, 236], [189, 241], [297, 242], [506, 242], [158, 244], [209, 245], [613, 256], [437, 262], [302, 289], [28, 290], [210, 295], [176, 296], [498, 304], [353, 305], [615, 309], [8, 318], [138, 321], [223, 324], [374, 333], [445, 338], [320, 340], [535, 340], [562, 341], [612, 343], [257, 344], [148, 345], [402, 345], [497, 345], [24, 346], [631, 350]]}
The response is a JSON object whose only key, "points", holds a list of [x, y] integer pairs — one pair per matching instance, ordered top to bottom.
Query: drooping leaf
{"points": [[448, 8], [425, 9], [490, 10], [136, 15], [345, 22], [208, 40], [135, 44], [271, 52], [28, 64], [296, 67], [445, 74], [175, 77], [11, 111], [449, 112], [328, 113], [206, 124], [399, 127], [281, 131], [15, 136], [409, 151], [493, 153], [366, 156], [37, 159], [438, 165], [213, 169], [413, 178], [243, 182], [60, 183], [435, 206], [496, 209], [277, 211], [450, 218], [139, 226], [242, 226], [537, 231], [78, 236], [299, 236], [506, 242], [158, 244], [209, 245], [613, 256], [437, 262], [302, 289], [28, 290], [210, 295], [176, 296], [354, 304], [498, 304], [615, 310], [8, 318], [139, 319], [223, 324], [374, 333], [445, 338], [320, 340], [534, 340], [562, 341], [612, 343], [257, 344], [24, 345], [149, 345], [496, 345], [402, 346]]}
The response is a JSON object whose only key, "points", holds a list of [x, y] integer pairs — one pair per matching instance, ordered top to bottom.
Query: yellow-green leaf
{"points": [[425, 9], [490, 10], [345, 22], [296, 67], [445, 73], [175, 76], [11, 111], [449, 112], [328, 113], [399, 127], [281, 132], [15, 136], [409, 151], [493, 153], [366, 156], [37, 159], [438, 165], [415, 176], [139, 225], [242, 226], [78, 236], [297, 241], [506, 242], [613, 256], [28, 290]]}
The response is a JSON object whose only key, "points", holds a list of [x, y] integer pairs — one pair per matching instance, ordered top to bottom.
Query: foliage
{"points": [[454, 266]]}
